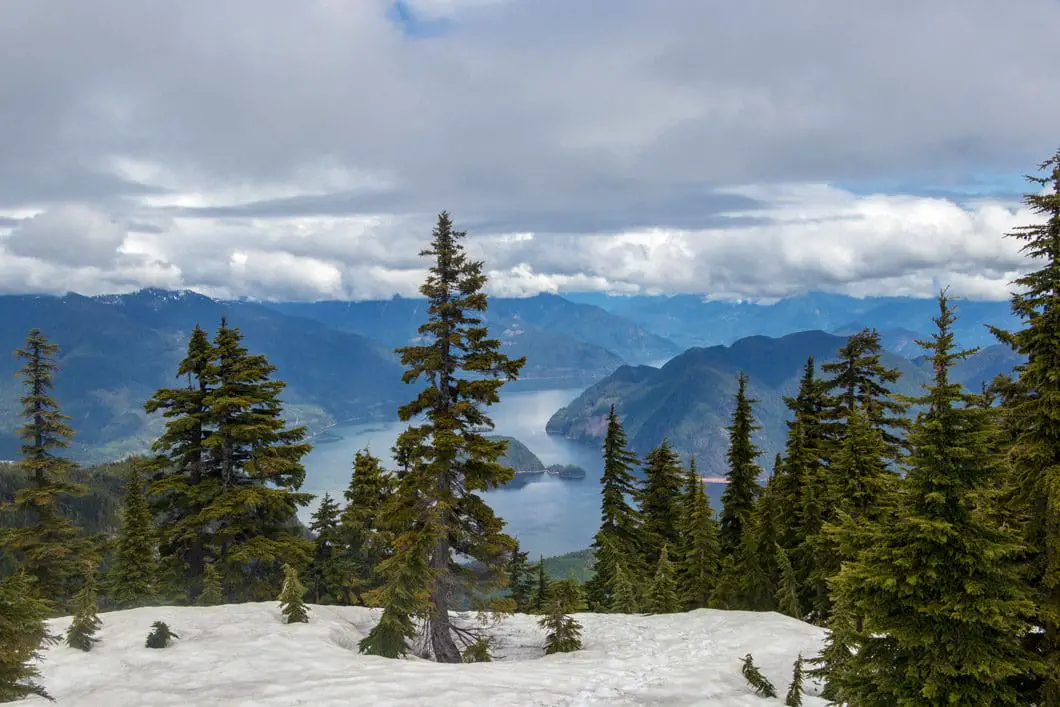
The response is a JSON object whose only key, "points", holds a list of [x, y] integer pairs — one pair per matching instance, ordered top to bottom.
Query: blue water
{"points": [[549, 517]]}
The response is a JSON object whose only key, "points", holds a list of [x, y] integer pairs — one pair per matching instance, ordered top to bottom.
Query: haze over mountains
{"points": [[337, 357]]}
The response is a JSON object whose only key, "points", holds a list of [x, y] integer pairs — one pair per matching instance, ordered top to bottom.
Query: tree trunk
{"points": [[442, 644]]}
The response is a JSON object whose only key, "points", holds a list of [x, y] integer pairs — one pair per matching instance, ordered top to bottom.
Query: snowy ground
{"points": [[242, 655]]}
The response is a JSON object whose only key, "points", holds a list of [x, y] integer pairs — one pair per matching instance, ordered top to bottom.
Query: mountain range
{"points": [[689, 400]]}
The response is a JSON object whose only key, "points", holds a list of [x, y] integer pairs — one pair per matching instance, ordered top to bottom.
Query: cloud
{"points": [[273, 149]]}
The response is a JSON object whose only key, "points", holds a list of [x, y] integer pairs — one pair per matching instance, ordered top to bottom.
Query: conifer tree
{"points": [[860, 380], [1032, 413], [183, 482], [742, 488], [660, 503], [436, 511], [616, 541], [367, 542], [51, 548], [757, 558], [700, 559], [325, 571], [134, 575], [520, 580], [939, 586], [542, 588], [212, 589], [726, 594], [662, 596], [624, 597], [787, 599], [292, 604], [564, 632], [81, 634], [22, 635], [160, 636], [834, 660], [756, 679], [794, 696]]}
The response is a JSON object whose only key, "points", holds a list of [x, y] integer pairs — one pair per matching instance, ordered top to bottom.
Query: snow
{"points": [[243, 655]]}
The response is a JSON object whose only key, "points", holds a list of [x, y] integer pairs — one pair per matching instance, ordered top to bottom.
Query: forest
{"points": [[925, 543]]}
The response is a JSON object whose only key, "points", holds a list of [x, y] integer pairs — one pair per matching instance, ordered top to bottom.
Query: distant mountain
{"points": [[690, 320], [554, 333], [117, 350], [689, 400]]}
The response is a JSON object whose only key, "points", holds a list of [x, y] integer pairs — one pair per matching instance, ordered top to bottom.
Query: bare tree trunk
{"points": [[442, 644]]}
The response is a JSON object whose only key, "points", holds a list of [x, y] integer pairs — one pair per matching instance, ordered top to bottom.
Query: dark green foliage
{"points": [[860, 380], [1032, 413], [231, 470], [742, 488], [660, 502], [436, 510], [616, 541], [367, 542], [50, 547], [757, 559], [699, 561], [326, 571], [133, 575], [520, 580], [939, 586], [212, 587], [542, 587], [569, 593], [726, 594], [624, 596], [662, 596], [787, 598], [292, 603], [564, 632], [22, 634], [81, 634], [160, 635], [478, 651], [833, 663], [756, 679], [794, 696]]}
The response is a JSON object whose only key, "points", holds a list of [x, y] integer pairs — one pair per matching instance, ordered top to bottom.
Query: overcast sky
{"points": [[302, 150]]}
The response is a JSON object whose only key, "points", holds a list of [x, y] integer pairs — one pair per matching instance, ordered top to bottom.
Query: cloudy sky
{"points": [[301, 150]]}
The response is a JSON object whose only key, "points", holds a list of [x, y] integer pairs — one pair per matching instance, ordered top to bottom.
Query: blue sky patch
{"points": [[401, 14]]}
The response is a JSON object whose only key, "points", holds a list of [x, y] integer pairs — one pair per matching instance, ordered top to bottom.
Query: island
{"points": [[528, 468]]}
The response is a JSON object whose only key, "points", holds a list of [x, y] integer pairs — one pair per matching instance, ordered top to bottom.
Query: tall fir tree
{"points": [[1032, 413], [182, 483], [742, 488], [660, 502], [437, 511], [365, 538], [617, 541], [50, 546], [700, 552], [757, 557], [325, 574], [133, 577], [520, 580], [939, 587], [542, 588], [213, 591], [662, 595], [787, 597], [624, 598], [292, 602], [82, 632], [23, 633]]}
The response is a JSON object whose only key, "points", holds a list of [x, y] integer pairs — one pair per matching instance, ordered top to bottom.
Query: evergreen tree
{"points": [[1032, 414], [450, 458], [183, 483], [742, 488], [660, 503], [616, 541], [367, 542], [50, 547], [700, 559], [757, 559], [325, 571], [134, 574], [520, 580], [939, 586], [212, 589], [541, 590], [569, 593], [726, 594], [624, 597], [662, 597], [787, 599], [292, 604], [564, 632], [22, 634], [81, 634], [160, 635], [478, 651], [834, 660], [758, 681], [794, 696]]}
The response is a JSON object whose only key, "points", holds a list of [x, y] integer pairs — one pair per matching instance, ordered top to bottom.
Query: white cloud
{"points": [[68, 235]]}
